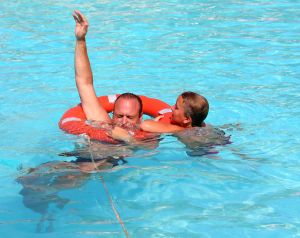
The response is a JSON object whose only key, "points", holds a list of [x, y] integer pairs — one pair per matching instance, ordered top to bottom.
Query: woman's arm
{"points": [[159, 127]]}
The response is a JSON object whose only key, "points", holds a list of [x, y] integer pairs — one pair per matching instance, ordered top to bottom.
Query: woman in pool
{"points": [[190, 110]]}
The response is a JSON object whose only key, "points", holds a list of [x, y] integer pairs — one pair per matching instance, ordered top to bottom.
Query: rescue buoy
{"points": [[73, 120]]}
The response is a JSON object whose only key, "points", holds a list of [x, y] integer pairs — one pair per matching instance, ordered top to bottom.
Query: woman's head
{"points": [[190, 109]]}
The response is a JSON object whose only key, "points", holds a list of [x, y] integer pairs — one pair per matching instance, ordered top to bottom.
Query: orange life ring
{"points": [[73, 120]]}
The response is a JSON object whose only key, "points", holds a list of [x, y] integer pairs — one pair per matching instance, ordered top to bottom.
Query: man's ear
{"points": [[141, 117]]}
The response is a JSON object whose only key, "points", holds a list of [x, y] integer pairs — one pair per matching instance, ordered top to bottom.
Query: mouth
{"points": [[128, 126]]}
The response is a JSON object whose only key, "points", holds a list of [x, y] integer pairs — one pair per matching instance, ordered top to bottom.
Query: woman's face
{"points": [[178, 116]]}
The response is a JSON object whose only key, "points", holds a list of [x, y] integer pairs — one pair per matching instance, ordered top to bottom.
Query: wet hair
{"points": [[134, 97], [195, 106]]}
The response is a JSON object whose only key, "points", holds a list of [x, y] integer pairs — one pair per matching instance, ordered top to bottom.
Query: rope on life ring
{"points": [[73, 120]]}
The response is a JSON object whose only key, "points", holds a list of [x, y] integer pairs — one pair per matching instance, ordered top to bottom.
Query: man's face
{"points": [[126, 111]]}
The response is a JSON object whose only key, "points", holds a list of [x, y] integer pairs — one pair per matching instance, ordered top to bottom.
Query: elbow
{"points": [[146, 126]]}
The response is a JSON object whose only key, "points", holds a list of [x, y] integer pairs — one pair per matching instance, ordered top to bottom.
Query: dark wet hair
{"points": [[134, 97], [195, 106]]}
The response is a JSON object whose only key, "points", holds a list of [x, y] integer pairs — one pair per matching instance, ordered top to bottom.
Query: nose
{"points": [[173, 107], [124, 120]]}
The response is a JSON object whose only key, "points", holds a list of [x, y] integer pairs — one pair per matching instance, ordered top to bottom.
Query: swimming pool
{"points": [[242, 55]]}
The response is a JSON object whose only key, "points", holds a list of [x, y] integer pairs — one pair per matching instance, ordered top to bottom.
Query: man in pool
{"points": [[127, 110]]}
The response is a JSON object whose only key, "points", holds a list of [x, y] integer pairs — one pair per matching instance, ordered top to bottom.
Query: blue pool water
{"points": [[242, 55]]}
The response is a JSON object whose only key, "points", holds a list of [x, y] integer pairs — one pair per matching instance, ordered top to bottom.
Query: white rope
{"points": [[112, 204]]}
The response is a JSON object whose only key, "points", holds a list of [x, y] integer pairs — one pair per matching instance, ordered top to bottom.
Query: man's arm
{"points": [[83, 73]]}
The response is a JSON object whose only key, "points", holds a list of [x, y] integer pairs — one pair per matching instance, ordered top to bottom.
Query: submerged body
{"points": [[202, 140]]}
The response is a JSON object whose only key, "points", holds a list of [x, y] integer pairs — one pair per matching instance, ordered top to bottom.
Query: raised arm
{"points": [[83, 73]]}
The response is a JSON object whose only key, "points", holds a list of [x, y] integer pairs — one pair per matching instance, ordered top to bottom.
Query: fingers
{"points": [[75, 17], [79, 17], [83, 17], [158, 118], [109, 133]]}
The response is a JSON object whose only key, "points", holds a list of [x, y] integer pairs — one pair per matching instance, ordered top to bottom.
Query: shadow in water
{"points": [[203, 140], [41, 185]]}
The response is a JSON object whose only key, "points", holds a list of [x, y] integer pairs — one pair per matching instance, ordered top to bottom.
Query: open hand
{"points": [[81, 25]]}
